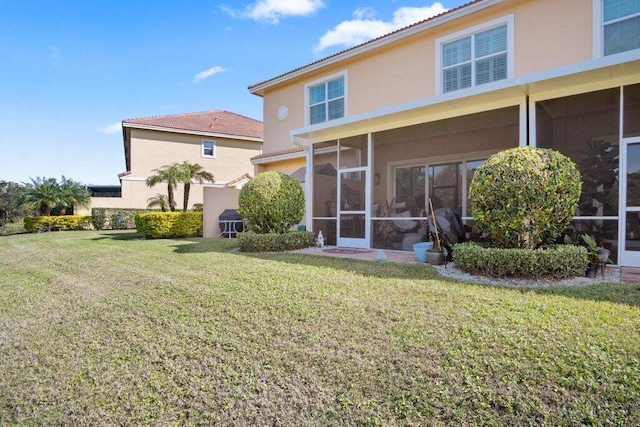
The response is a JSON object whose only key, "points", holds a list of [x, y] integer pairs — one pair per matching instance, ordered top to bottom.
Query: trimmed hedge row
{"points": [[115, 219], [55, 223], [168, 225], [253, 242], [559, 261]]}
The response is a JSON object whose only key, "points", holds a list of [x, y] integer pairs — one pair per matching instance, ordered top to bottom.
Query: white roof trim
{"points": [[376, 43], [520, 82], [190, 132], [279, 158]]}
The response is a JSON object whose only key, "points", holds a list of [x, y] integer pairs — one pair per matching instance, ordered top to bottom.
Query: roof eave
{"points": [[258, 89], [191, 132]]}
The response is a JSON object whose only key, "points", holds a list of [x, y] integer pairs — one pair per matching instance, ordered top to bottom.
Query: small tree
{"points": [[192, 172], [172, 175], [42, 194], [72, 194], [525, 197], [158, 201], [272, 202], [11, 208]]}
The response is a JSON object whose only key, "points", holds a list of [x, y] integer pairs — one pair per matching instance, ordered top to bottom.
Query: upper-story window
{"points": [[621, 22], [475, 56], [326, 99], [208, 148]]}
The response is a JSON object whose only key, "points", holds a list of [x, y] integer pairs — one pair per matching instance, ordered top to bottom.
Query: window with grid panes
{"points": [[475, 59], [326, 101]]}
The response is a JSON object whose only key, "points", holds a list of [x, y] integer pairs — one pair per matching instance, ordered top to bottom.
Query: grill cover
{"points": [[230, 215], [229, 229]]}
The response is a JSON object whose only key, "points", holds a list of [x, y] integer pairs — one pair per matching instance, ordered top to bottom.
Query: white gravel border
{"points": [[612, 274]]}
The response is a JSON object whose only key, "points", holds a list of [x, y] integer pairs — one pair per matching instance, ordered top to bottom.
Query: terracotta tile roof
{"points": [[364, 44], [215, 121], [277, 153], [237, 180]]}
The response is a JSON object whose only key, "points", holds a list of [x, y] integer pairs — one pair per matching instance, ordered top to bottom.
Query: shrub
{"points": [[525, 197], [272, 202], [99, 218], [115, 218], [51, 223], [167, 225], [253, 242], [558, 261]]}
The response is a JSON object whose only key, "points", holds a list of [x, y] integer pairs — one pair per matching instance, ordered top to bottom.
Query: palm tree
{"points": [[193, 172], [171, 174], [42, 194], [72, 194], [160, 201]]}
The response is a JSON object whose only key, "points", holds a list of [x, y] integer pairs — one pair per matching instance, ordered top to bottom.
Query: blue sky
{"points": [[70, 71]]}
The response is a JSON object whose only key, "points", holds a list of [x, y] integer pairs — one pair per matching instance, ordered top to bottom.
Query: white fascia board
{"points": [[376, 43], [520, 82], [191, 132], [279, 158]]}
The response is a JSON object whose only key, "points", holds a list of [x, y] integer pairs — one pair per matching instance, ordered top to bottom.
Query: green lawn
{"points": [[102, 328]]}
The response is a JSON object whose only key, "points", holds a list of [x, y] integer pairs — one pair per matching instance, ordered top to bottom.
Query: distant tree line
{"points": [[43, 196]]}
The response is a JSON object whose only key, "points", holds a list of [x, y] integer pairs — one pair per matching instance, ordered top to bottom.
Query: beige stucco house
{"points": [[410, 115], [220, 141]]}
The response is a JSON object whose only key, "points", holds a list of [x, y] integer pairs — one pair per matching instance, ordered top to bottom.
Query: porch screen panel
{"points": [[632, 111], [585, 128], [354, 152], [325, 179]]}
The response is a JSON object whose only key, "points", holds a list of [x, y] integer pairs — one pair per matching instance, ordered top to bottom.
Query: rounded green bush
{"points": [[525, 197], [272, 202]]}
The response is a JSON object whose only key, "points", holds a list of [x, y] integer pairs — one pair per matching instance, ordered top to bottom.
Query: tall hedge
{"points": [[525, 197], [272, 202], [115, 218], [61, 222], [168, 225]]}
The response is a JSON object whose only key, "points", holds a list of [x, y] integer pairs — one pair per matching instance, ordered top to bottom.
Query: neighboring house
{"points": [[415, 112], [220, 141]]}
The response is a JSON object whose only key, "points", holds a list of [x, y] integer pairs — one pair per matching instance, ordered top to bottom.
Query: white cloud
{"points": [[272, 10], [365, 27], [203, 75], [112, 128]]}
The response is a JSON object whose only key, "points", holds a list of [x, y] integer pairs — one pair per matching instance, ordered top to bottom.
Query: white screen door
{"points": [[630, 203]]}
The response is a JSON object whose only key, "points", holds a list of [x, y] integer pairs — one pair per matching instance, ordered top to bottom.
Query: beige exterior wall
{"points": [[405, 70], [152, 149], [285, 166], [216, 200]]}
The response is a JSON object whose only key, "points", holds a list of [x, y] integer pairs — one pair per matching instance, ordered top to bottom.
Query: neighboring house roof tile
{"points": [[346, 51], [215, 121], [277, 153], [234, 181]]}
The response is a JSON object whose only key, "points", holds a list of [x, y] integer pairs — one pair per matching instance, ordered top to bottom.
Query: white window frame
{"points": [[508, 20], [598, 29], [307, 100], [211, 156]]}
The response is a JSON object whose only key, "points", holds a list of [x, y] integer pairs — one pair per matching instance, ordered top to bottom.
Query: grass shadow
{"points": [[118, 235], [201, 245], [379, 269], [618, 293]]}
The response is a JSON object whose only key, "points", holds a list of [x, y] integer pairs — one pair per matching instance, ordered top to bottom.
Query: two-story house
{"points": [[409, 116], [222, 142]]}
